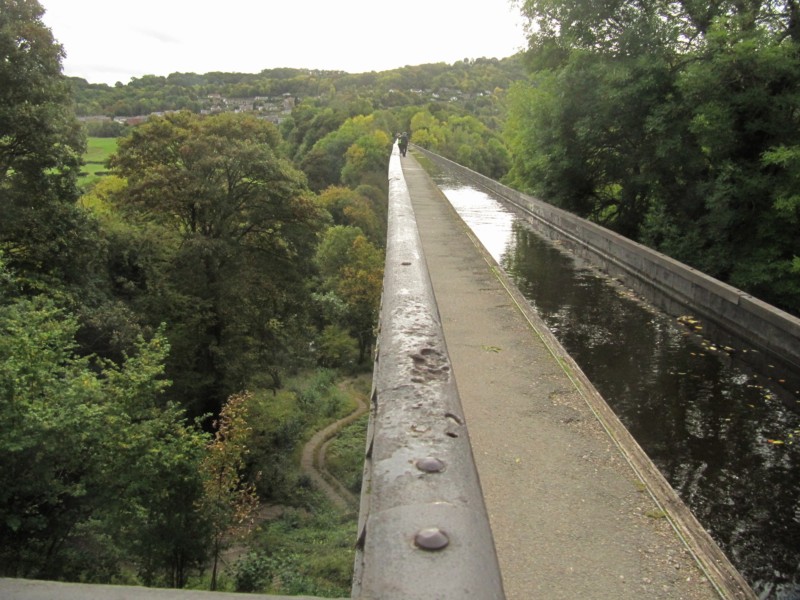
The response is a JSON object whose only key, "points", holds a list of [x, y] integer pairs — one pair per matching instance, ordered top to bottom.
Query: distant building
{"points": [[240, 104], [272, 108], [94, 119], [137, 120]]}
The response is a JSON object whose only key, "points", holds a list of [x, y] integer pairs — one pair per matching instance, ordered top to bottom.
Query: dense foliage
{"points": [[468, 81], [459, 108], [672, 123], [675, 123], [239, 227], [42, 233], [161, 327], [173, 330], [92, 450]]}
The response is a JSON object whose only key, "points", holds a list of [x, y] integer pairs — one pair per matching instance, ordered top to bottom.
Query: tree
{"points": [[743, 100], [672, 123], [427, 130], [597, 138], [464, 139], [470, 143], [330, 159], [367, 159], [355, 207], [245, 226], [44, 236], [352, 269], [336, 349], [96, 466], [228, 501], [153, 520]]}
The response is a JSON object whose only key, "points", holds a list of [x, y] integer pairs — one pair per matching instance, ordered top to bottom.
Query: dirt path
{"points": [[312, 461]]}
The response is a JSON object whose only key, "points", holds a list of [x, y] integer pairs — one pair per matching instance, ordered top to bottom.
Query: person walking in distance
{"points": [[402, 143]]}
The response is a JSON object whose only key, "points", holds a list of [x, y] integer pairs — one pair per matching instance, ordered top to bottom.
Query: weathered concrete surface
{"points": [[570, 496], [24, 589]]}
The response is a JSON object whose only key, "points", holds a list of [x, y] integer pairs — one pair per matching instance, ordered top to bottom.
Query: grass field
{"points": [[97, 152]]}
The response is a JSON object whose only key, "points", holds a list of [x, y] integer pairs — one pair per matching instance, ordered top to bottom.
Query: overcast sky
{"points": [[113, 40]]}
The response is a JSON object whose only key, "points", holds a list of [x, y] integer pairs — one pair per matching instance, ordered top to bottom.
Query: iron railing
{"points": [[423, 527]]}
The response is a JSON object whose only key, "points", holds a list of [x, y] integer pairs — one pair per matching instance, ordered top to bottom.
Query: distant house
{"points": [[216, 103], [240, 104], [272, 108], [94, 119], [137, 120]]}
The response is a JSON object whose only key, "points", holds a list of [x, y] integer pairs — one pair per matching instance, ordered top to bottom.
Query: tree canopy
{"points": [[673, 123], [242, 227], [41, 233], [137, 316], [151, 321]]}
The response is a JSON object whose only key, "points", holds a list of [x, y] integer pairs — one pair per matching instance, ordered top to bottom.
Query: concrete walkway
{"points": [[571, 516]]}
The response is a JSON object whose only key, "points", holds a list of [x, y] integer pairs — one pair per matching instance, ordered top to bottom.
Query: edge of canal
{"points": [[712, 561]]}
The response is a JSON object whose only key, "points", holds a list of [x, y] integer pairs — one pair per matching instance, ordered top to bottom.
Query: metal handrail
{"points": [[423, 526]]}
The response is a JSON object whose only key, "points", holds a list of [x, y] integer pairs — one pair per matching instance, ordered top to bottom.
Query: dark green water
{"points": [[725, 437]]}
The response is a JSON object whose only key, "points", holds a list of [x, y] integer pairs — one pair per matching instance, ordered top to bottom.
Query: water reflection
{"points": [[722, 435]]}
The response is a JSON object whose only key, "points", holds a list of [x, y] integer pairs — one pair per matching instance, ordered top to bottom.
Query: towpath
{"points": [[570, 515]]}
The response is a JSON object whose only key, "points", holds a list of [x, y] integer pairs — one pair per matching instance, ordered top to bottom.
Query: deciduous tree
{"points": [[673, 123], [246, 229], [43, 234], [352, 269], [97, 467], [229, 502]]}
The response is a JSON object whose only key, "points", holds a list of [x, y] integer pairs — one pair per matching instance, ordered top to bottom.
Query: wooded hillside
{"points": [[172, 331]]}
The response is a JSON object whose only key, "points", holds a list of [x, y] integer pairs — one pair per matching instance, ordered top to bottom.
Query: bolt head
{"points": [[430, 464], [431, 538]]}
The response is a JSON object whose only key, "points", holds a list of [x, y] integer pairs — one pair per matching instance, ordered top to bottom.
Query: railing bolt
{"points": [[430, 465], [431, 538]]}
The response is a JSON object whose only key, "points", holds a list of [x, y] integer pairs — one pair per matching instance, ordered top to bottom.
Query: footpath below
{"points": [[312, 459], [570, 516]]}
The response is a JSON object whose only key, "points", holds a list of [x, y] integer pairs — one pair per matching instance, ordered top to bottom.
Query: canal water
{"points": [[725, 437]]}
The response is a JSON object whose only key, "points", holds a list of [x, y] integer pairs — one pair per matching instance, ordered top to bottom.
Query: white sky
{"points": [[113, 40]]}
